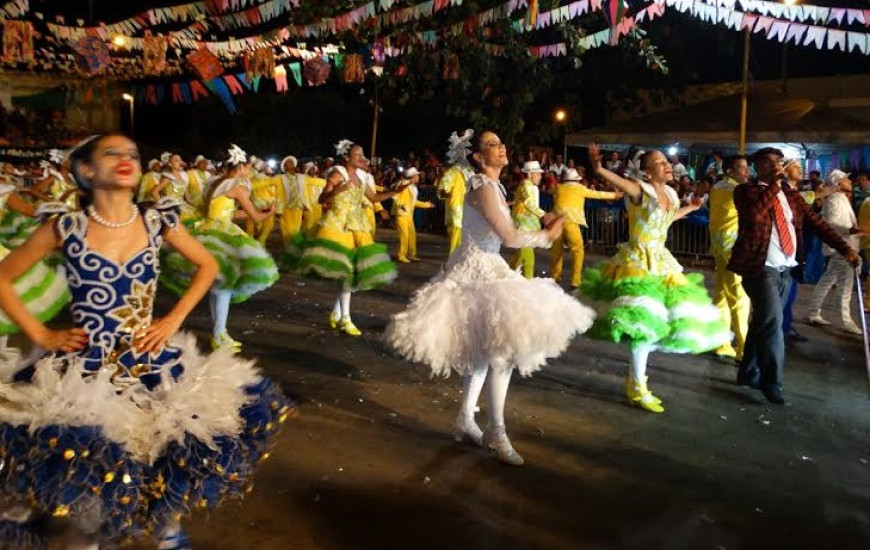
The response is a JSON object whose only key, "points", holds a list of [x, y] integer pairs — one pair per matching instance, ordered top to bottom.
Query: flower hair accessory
{"points": [[460, 147], [342, 148], [237, 154], [56, 156], [165, 156], [633, 169]]}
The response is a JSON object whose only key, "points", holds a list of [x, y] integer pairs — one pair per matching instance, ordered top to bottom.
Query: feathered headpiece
{"points": [[460, 147], [342, 148], [237, 154], [56, 156], [165, 156], [633, 169]]}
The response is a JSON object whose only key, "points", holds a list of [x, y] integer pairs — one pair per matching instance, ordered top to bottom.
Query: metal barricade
{"points": [[688, 239]]}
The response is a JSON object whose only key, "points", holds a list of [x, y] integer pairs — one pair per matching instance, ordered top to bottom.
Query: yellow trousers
{"points": [[310, 218], [291, 223], [262, 230], [571, 233], [455, 236], [407, 237], [525, 257], [733, 304]]}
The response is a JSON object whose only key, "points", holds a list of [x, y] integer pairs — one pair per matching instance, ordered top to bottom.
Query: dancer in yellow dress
{"points": [[150, 180], [451, 186], [570, 203], [404, 204], [526, 213], [343, 249], [246, 267], [651, 304]]}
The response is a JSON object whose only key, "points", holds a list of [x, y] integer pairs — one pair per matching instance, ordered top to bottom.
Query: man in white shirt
{"points": [[837, 211]]}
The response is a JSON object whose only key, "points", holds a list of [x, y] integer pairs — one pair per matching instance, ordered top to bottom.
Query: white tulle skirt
{"points": [[478, 311]]}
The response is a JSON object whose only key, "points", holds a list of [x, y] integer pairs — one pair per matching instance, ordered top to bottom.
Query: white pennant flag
{"points": [[777, 10], [822, 13], [734, 20], [815, 35], [836, 39], [859, 40]]}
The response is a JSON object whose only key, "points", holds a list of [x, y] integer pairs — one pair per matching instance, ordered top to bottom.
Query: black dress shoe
{"points": [[749, 381], [774, 396]]}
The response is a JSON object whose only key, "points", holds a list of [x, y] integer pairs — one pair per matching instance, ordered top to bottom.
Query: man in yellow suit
{"points": [[150, 180], [314, 185], [451, 185], [263, 195], [292, 198], [570, 203], [404, 204], [527, 214], [728, 294]]}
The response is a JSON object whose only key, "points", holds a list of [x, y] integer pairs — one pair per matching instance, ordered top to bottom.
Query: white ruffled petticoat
{"points": [[478, 311]]}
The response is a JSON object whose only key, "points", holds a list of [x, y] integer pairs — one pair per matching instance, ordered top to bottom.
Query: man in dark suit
{"points": [[771, 215]]}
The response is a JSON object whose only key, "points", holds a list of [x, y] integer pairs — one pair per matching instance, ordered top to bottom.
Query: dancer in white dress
{"points": [[481, 318]]}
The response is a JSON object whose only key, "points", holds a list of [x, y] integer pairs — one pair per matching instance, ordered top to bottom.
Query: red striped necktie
{"points": [[785, 240]]}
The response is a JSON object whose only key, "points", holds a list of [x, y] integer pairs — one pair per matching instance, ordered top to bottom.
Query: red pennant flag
{"points": [[197, 89]]}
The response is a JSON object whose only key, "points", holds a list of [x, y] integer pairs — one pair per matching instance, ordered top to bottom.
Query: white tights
{"points": [[219, 301], [342, 302], [639, 357], [497, 382]]}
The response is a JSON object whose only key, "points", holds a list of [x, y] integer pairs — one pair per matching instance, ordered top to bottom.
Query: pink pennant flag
{"points": [[595, 4], [574, 9], [837, 14], [641, 15], [855, 15], [867, 17], [748, 21], [763, 24], [626, 25], [778, 30], [795, 31], [815, 35], [836, 39]]}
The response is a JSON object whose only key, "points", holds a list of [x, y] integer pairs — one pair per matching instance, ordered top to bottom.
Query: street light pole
{"points": [[744, 98], [129, 99]]}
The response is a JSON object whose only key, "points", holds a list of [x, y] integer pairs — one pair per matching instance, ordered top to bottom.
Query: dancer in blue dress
{"points": [[123, 427]]}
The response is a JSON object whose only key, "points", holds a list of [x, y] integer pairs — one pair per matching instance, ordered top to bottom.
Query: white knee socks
{"points": [[220, 310], [639, 357], [497, 384], [472, 385]]}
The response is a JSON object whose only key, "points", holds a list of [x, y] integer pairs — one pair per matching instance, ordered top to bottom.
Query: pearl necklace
{"points": [[113, 225]]}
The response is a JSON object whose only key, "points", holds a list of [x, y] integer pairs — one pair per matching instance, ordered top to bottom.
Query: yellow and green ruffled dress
{"points": [[342, 248], [246, 267], [646, 297]]}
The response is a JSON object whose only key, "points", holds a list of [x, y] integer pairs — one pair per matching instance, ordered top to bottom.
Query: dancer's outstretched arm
{"points": [[629, 187]]}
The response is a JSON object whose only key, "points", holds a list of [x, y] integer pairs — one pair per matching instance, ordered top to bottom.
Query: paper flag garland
{"points": [[154, 51], [93, 54], [206, 64], [316, 71]]}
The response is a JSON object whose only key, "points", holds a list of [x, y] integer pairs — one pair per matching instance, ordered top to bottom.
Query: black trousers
{"points": [[764, 353]]}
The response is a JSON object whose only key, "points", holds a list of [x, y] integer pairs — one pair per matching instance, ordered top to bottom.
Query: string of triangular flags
{"points": [[14, 9], [197, 12], [798, 12], [782, 30]]}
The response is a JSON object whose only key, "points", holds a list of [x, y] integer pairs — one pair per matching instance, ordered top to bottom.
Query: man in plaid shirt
{"points": [[771, 215]]}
